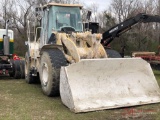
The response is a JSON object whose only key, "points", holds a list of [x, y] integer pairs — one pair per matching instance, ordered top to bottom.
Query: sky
{"points": [[103, 4]]}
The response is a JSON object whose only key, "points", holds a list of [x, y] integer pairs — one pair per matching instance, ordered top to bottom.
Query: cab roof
{"points": [[65, 5]]}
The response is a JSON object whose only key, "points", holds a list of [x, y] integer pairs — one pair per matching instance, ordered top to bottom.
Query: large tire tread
{"points": [[112, 53], [57, 60], [22, 69], [17, 74], [28, 74]]}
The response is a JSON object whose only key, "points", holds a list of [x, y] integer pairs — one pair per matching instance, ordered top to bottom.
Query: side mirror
{"points": [[89, 15]]}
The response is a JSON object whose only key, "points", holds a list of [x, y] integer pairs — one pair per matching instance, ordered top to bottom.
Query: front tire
{"points": [[51, 62], [28, 74]]}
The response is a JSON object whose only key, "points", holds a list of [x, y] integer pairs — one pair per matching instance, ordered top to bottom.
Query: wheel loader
{"points": [[71, 61]]}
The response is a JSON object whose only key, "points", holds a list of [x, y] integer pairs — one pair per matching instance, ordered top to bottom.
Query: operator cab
{"points": [[62, 17], [66, 17]]}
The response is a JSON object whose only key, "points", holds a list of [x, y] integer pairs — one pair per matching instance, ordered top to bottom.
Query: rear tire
{"points": [[112, 53], [22, 64], [50, 64], [17, 73], [11, 74], [28, 74]]}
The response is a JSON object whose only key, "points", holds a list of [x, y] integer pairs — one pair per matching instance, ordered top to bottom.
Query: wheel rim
{"points": [[45, 74]]}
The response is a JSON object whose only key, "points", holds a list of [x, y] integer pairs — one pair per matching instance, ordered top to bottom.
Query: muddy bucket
{"points": [[99, 84]]}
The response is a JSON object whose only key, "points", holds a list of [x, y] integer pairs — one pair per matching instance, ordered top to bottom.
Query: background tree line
{"points": [[142, 37]]}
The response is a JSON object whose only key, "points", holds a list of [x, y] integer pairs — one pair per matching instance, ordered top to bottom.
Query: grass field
{"points": [[20, 101]]}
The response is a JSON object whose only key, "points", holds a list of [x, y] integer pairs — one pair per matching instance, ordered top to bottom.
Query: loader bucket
{"points": [[99, 84]]}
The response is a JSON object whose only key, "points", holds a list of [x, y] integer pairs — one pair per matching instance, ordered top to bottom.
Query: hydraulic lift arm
{"points": [[126, 25]]}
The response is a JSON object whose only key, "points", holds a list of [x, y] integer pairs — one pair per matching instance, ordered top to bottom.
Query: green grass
{"points": [[20, 101]]}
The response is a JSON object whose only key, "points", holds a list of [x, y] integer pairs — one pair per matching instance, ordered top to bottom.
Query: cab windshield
{"points": [[68, 17]]}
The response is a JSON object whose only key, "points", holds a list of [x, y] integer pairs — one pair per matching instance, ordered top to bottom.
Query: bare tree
{"points": [[6, 7], [94, 8], [121, 9], [106, 20], [141, 35]]}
